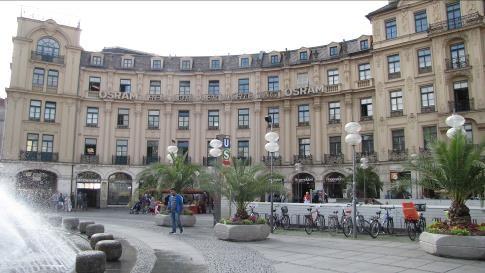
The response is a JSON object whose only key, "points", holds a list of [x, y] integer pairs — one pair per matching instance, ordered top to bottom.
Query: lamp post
{"points": [[456, 123], [353, 138], [272, 146], [216, 151], [414, 161], [364, 165]]}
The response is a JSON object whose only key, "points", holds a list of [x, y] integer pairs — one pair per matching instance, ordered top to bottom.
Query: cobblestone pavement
{"points": [[197, 250]]}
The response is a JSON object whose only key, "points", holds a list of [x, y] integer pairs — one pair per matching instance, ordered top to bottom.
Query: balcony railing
{"points": [[457, 23], [38, 56], [462, 62], [427, 69], [395, 75], [365, 83], [333, 88], [268, 94], [242, 96], [183, 97], [211, 97], [461, 105], [428, 109], [397, 113], [366, 118], [334, 121], [303, 123], [243, 126], [213, 127], [424, 151], [398, 155], [39, 156], [371, 157], [90, 159], [303, 159], [330, 159], [121, 160], [147, 160], [246, 160], [276, 160], [209, 161]]}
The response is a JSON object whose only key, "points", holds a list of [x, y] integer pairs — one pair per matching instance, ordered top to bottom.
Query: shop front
{"points": [[302, 183], [334, 184], [88, 187], [120, 187]]}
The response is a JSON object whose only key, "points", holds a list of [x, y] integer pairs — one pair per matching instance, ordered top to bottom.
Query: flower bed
{"points": [[165, 219], [252, 220], [462, 230]]}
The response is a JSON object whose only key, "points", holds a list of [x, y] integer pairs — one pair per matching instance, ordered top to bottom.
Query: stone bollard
{"points": [[55, 220], [70, 223], [83, 225], [93, 229], [99, 237], [112, 249], [90, 261]]}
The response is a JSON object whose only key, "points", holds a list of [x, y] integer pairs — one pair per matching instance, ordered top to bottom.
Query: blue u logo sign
{"points": [[226, 142]]}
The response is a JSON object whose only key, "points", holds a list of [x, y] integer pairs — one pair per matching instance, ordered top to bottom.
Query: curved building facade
{"points": [[91, 121]]}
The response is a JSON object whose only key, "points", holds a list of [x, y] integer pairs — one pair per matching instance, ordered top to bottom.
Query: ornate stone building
{"points": [[2, 121], [80, 121]]}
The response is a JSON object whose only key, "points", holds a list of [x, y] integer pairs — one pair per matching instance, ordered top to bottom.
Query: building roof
{"points": [[390, 6]]}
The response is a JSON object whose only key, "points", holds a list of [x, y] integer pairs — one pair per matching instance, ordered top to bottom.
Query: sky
{"points": [[199, 28]]}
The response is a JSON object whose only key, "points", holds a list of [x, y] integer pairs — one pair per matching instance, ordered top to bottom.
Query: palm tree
{"points": [[457, 168], [179, 175], [243, 183], [373, 184]]}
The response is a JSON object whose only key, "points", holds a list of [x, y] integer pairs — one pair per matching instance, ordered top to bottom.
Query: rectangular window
{"points": [[453, 15], [421, 21], [391, 29], [364, 44], [333, 51], [303, 56], [458, 56], [275, 59], [97, 60], [424, 60], [244, 62], [127, 63], [157, 64], [215, 64], [185, 65], [394, 66], [364, 72], [38, 77], [333, 77], [52, 78], [302, 80], [273, 83], [94, 84], [125, 86], [243, 86], [155, 87], [184, 88], [214, 88], [461, 96], [427, 99], [396, 102], [366, 108], [34, 111], [50, 111], [334, 112], [274, 113], [303, 115], [92, 117], [123, 118], [243, 118], [153, 119], [213, 119], [184, 120], [468, 132], [430, 135], [32, 142], [47, 143], [367, 144], [398, 144], [335, 145], [90, 146], [183, 146], [121, 147], [304, 147], [152, 149], [243, 149]]}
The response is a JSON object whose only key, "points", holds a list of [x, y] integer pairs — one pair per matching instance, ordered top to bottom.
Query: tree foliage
{"points": [[373, 184]]}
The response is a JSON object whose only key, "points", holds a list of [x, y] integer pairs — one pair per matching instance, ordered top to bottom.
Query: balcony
{"points": [[460, 22], [38, 56], [459, 63], [395, 75], [365, 83], [37, 87], [333, 88], [269, 95], [242, 96], [211, 97], [186, 98], [461, 105], [428, 109], [397, 113], [366, 118], [334, 121], [303, 123], [122, 126], [243, 126], [213, 128], [424, 151], [398, 155], [39, 156], [371, 157], [90, 159], [303, 159], [330, 159], [120, 160], [147, 160], [276, 160], [209, 161]]}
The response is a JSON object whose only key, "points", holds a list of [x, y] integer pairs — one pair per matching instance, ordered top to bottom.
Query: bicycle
{"points": [[252, 212], [414, 219], [283, 221], [345, 222], [311, 223], [387, 224], [371, 227]]}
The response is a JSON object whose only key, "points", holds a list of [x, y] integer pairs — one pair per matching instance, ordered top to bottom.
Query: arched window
{"points": [[48, 46]]}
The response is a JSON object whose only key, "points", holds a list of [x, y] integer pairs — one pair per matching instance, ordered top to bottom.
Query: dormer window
{"points": [[364, 44], [333, 51], [303, 56], [275, 59], [97, 60], [244, 62], [127, 63], [156, 64], [215, 64], [185, 65]]}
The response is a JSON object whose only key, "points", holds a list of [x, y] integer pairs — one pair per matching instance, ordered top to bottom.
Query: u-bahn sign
{"points": [[226, 149]]}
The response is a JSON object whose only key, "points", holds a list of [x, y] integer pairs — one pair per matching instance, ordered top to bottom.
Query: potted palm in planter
{"points": [[457, 168], [179, 175], [242, 184]]}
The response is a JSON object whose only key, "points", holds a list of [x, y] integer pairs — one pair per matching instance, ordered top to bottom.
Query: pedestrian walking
{"points": [[307, 199], [60, 202], [175, 206]]}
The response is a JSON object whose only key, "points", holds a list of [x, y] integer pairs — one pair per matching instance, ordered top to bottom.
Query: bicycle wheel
{"points": [[285, 222], [275, 223], [321, 223], [332, 224], [422, 224], [308, 226], [390, 226], [347, 227], [411, 228], [374, 229]]}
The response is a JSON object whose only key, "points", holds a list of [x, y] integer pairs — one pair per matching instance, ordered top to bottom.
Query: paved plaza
{"points": [[197, 250]]}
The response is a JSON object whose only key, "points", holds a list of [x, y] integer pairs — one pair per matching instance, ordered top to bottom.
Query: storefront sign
{"points": [[305, 91], [117, 95], [304, 179]]}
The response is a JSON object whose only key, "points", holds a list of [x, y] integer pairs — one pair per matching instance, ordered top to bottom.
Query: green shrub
{"points": [[225, 221], [261, 221], [247, 222], [481, 228], [459, 231]]}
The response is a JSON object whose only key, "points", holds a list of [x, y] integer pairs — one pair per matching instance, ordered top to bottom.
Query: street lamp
{"points": [[456, 123], [353, 138], [272, 146], [216, 151], [172, 153], [414, 161], [364, 165]]}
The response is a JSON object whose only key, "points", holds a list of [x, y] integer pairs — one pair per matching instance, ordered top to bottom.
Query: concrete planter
{"points": [[166, 220], [241, 233], [453, 246]]}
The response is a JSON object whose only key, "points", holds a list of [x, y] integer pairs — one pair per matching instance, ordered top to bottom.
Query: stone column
{"points": [[287, 129], [317, 130], [257, 134], [195, 136], [107, 141], [138, 141], [346, 148]]}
